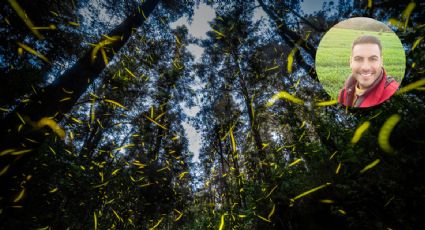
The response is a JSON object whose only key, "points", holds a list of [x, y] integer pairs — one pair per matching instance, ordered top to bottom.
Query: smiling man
{"points": [[368, 84]]}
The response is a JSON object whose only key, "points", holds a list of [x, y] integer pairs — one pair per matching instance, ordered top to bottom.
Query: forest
{"points": [[94, 101]]}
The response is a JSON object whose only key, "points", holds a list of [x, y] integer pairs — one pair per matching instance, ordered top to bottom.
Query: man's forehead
{"points": [[366, 49]]}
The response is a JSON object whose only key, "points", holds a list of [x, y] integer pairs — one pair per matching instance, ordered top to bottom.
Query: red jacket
{"points": [[382, 89]]}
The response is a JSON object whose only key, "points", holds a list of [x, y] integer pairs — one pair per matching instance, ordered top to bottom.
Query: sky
{"points": [[309, 6], [198, 28]]}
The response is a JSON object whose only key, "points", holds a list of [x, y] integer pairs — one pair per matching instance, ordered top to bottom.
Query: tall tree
{"points": [[58, 98]]}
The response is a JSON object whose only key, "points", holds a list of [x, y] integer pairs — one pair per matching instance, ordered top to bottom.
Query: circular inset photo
{"points": [[360, 62]]}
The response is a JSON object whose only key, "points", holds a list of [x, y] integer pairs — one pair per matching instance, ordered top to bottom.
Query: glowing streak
{"points": [[407, 12], [54, 13], [144, 16], [405, 16], [24, 17], [74, 24], [50, 27], [217, 32], [178, 40], [416, 43], [101, 44], [30, 50], [104, 57], [291, 59], [272, 68], [129, 72], [411, 86], [92, 95], [284, 95], [65, 99], [114, 103], [326, 103], [252, 109], [92, 112], [159, 116], [374, 116], [20, 118], [45, 121], [156, 123], [100, 124], [302, 125], [231, 128], [359, 132], [385, 133], [232, 138], [123, 147], [52, 150], [7, 151], [21, 152], [295, 162], [371, 165], [338, 168], [162, 169], [4, 170], [115, 172], [182, 175], [100, 185], [53, 190], [271, 191], [311, 191], [19, 196], [327, 201], [389, 201], [271, 212], [116, 214], [180, 215], [264, 219], [95, 220], [222, 222], [156, 225]]}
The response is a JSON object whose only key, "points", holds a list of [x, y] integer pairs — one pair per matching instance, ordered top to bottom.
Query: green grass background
{"points": [[333, 54]]}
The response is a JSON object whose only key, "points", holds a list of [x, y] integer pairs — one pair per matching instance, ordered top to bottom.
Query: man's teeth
{"points": [[366, 74]]}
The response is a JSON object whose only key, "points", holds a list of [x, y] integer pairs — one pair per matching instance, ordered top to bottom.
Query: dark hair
{"points": [[367, 39]]}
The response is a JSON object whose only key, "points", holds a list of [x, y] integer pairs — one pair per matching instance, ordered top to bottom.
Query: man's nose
{"points": [[366, 65]]}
